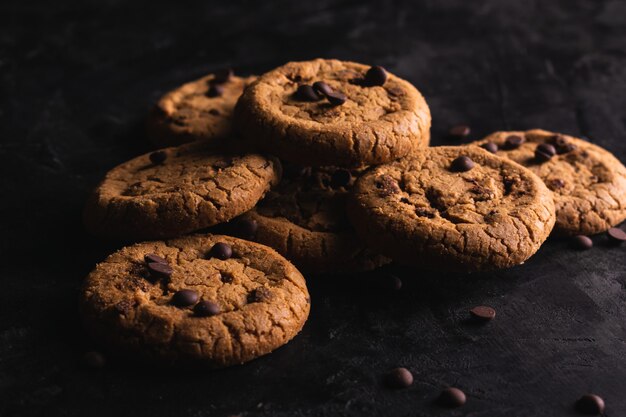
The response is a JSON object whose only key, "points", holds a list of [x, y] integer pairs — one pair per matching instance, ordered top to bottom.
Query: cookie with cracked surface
{"points": [[198, 110], [330, 112], [588, 182], [175, 191], [455, 208], [304, 219], [179, 302]]}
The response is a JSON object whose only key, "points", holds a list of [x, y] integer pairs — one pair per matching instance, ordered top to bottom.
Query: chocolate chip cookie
{"points": [[199, 110], [330, 112], [589, 183], [175, 191], [453, 208], [304, 219], [202, 300]]}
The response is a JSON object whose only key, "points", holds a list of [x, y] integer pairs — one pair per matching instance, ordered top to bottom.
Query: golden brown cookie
{"points": [[199, 110], [360, 116], [588, 182], [175, 191], [455, 208], [304, 219], [202, 300]]}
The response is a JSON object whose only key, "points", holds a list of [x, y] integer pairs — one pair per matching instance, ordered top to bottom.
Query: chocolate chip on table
{"points": [[223, 76], [375, 76], [322, 88], [215, 90], [306, 93], [336, 98], [460, 131], [513, 142], [490, 147], [544, 152], [158, 157], [462, 164], [340, 178], [247, 228], [616, 235], [582, 242], [221, 251], [152, 258], [160, 270], [392, 282], [184, 298], [206, 308], [483, 313], [93, 360], [399, 378], [451, 398], [590, 404]]}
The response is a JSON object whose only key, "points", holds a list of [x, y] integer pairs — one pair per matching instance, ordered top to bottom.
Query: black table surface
{"points": [[76, 82]]}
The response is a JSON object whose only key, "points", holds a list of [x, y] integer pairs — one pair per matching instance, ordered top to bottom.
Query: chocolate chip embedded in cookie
{"points": [[199, 110], [329, 112], [589, 183], [190, 189], [453, 208], [304, 219], [194, 317]]}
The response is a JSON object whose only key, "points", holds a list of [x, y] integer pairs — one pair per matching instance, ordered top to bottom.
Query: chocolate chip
{"points": [[222, 76], [374, 76], [322, 88], [215, 90], [395, 92], [306, 93], [336, 98], [214, 112], [460, 132], [513, 142], [562, 145], [490, 146], [544, 152], [158, 157], [222, 163], [462, 164], [340, 178], [555, 184], [387, 185], [424, 212], [246, 228], [616, 235], [582, 242], [221, 251], [152, 258], [160, 270], [226, 277], [392, 282], [259, 295], [184, 298], [123, 307], [206, 309], [483, 313], [94, 360], [399, 378], [451, 398], [590, 404]]}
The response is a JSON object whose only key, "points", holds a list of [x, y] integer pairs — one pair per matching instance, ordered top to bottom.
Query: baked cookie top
{"points": [[198, 110], [330, 112], [588, 182], [177, 190], [453, 208], [304, 218], [208, 300]]}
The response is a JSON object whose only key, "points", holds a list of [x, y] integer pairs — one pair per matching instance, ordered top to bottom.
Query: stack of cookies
{"points": [[324, 165]]}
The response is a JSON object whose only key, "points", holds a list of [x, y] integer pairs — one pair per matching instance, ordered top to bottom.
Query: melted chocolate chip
{"points": [[375, 76], [306, 93], [562, 145], [158, 157], [221, 251], [226, 277], [184, 298], [206, 309]]}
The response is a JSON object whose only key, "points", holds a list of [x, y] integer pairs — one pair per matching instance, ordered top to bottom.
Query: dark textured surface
{"points": [[76, 83]]}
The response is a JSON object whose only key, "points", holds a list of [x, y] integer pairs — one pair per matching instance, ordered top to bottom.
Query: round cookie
{"points": [[199, 110], [375, 124], [588, 182], [192, 188], [453, 208], [304, 219], [180, 302]]}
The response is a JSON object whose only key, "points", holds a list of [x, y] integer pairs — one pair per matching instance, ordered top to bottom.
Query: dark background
{"points": [[76, 81]]}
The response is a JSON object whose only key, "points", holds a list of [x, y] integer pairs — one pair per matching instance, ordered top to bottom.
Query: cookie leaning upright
{"points": [[330, 112], [588, 182], [175, 191], [453, 208], [203, 300]]}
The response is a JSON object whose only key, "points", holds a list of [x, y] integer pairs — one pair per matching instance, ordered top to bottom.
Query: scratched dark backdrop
{"points": [[76, 81]]}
